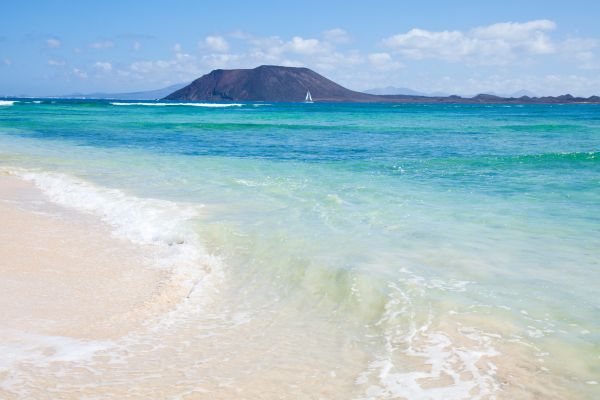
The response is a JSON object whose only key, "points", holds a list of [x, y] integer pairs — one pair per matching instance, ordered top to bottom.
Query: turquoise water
{"points": [[435, 233]]}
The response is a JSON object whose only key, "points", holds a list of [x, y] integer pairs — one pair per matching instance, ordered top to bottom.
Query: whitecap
{"points": [[7, 102], [209, 105]]}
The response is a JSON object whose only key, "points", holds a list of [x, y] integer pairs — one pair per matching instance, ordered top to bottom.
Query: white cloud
{"points": [[514, 30], [337, 35], [530, 35], [53, 43], [216, 43], [420, 43], [104, 44], [496, 44], [576, 44], [306, 46], [271, 47], [274, 48], [257, 50], [582, 50], [7, 61], [215, 61], [334, 61], [384, 62], [569, 62], [56, 63], [103, 66], [180, 68], [80, 73], [507, 83], [570, 83]]}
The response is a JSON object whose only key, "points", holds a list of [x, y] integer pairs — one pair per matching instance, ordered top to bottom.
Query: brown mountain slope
{"points": [[267, 83]]}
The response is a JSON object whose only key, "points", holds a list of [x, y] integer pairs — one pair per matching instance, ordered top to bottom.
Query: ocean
{"points": [[365, 251]]}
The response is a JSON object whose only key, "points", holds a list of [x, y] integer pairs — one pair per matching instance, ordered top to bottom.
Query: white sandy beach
{"points": [[64, 276], [74, 298]]}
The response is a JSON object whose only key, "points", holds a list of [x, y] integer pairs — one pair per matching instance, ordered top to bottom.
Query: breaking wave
{"points": [[208, 105]]}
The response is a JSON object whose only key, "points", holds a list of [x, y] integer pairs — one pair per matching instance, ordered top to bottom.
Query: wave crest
{"points": [[208, 105]]}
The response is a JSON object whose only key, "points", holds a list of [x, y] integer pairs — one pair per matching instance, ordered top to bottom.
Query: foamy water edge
{"points": [[208, 105], [165, 226]]}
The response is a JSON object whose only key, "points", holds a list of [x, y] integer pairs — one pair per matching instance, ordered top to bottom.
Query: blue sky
{"points": [[462, 47]]}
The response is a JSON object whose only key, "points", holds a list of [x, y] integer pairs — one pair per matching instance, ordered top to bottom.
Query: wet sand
{"points": [[65, 276]]}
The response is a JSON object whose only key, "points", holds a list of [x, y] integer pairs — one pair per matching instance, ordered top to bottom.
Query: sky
{"points": [[459, 47]]}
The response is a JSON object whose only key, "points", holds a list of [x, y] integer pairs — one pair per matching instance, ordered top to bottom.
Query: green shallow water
{"points": [[385, 221]]}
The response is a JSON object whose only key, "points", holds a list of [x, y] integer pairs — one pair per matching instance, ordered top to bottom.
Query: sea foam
{"points": [[7, 102], [208, 105], [164, 226], [164, 229], [463, 358]]}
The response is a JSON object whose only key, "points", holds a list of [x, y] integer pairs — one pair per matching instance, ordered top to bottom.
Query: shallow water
{"points": [[334, 251]]}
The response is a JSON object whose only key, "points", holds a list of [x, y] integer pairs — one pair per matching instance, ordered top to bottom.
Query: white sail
{"points": [[308, 98]]}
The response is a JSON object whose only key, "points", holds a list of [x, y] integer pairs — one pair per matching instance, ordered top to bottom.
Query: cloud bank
{"points": [[497, 57]]}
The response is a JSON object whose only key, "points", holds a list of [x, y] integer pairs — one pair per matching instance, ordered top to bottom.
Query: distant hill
{"points": [[266, 83], [290, 84], [391, 90], [518, 93], [521, 93], [144, 95]]}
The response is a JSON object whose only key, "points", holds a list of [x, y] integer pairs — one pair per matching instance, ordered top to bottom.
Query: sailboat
{"points": [[308, 98]]}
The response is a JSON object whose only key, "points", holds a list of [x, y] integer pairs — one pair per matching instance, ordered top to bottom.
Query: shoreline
{"points": [[64, 274], [120, 308]]}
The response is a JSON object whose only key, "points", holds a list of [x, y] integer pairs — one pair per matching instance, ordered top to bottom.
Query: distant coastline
{"points": [[278, 84], [289, 84], [381, 99], [492, 99]]}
